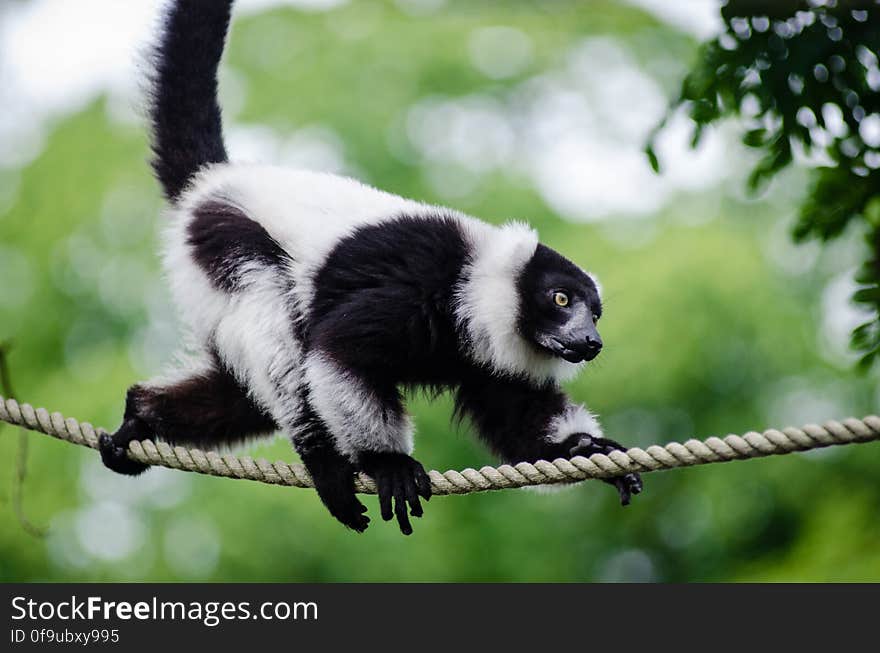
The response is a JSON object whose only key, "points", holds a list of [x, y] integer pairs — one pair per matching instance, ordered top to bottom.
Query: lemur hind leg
{"points": [[207, 409], [587, 445], [113, 448]]}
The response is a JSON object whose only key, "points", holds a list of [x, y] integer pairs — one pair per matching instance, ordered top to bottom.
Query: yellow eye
{"points": [[560, 298]]}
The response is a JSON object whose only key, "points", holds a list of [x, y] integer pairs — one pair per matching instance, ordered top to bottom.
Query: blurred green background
{"points": [[714, 321]]}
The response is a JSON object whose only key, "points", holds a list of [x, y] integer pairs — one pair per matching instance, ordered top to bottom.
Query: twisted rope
{"points": [[542, 472]]}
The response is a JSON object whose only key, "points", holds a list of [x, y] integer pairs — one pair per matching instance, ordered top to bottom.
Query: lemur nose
{"points": [[591, 348]]}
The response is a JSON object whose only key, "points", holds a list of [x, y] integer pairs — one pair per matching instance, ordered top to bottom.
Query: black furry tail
{"points": [[185, 115]]}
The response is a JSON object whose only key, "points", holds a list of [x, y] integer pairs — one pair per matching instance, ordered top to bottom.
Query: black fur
{"points": [[185, 115], [224, 240], [383, 304], [205, 410], [511, 414]]}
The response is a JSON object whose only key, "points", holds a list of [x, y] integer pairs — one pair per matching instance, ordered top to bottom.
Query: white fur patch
{"points": [[487, 303], [251, 329], [255, 339], [186, 364], [355, 417], [574, 419]]}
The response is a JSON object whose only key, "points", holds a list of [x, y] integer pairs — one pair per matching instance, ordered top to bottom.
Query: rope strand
{"points": [[654, 458]]}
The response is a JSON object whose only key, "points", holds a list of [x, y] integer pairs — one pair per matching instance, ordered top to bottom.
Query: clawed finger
{"points": [[610, 445], [401, 483], [423, 483], [635, 483], [383, 484], [627, 486], [623, 490], [412, 497], [344, 506], [400, 507], [353, 517]]}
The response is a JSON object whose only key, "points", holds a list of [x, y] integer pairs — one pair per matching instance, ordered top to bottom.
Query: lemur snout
{"points": [[577, 348], [587, 348], [590, 348]]}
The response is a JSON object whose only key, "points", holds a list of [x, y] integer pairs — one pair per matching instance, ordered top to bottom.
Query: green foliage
{"points": [[804, 77]]}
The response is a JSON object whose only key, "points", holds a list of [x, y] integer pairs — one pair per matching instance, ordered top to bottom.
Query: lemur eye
{"points": [[560, 298], [595, 319]]}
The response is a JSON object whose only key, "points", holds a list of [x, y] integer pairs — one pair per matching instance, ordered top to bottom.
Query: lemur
{"points": [[315, 301]]}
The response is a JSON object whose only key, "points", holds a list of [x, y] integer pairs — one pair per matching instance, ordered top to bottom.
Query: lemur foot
{"points": [[114, 451], [401, 479], [628, 484], [335, 486]]}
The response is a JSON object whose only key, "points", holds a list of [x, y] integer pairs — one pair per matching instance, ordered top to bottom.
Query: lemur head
{"points": [[559, 307]]}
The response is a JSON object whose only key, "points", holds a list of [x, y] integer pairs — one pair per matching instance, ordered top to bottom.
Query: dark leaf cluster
{"points": [[804, 77]]}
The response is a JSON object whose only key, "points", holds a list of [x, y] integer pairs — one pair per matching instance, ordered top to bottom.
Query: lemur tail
{"points": [[185, 115]]}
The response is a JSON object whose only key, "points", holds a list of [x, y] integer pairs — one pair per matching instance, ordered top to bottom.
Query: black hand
{"points": [[586, 445], [114, 449], [400, 481], [335, 486]]}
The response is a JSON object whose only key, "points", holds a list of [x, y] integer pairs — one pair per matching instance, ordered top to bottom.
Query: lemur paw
{"points": [[114, 454], [401, 479], [628, 484], [335, 486]]}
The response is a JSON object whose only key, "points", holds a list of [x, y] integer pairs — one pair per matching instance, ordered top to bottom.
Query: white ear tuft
{"points": [[522, 240]]}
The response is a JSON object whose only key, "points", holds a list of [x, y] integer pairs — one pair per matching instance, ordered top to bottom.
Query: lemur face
{"points": [[559, 307]]}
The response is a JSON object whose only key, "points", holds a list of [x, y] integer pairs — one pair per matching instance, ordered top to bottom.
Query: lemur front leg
{"points": [[204, 406], [522, 421], [371, 429], [332, 472]]}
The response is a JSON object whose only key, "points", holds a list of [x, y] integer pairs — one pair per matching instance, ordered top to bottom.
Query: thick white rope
{"points": [[542, 472]]}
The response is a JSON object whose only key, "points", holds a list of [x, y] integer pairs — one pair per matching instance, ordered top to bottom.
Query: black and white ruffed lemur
{"points": [[315, 300]]}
